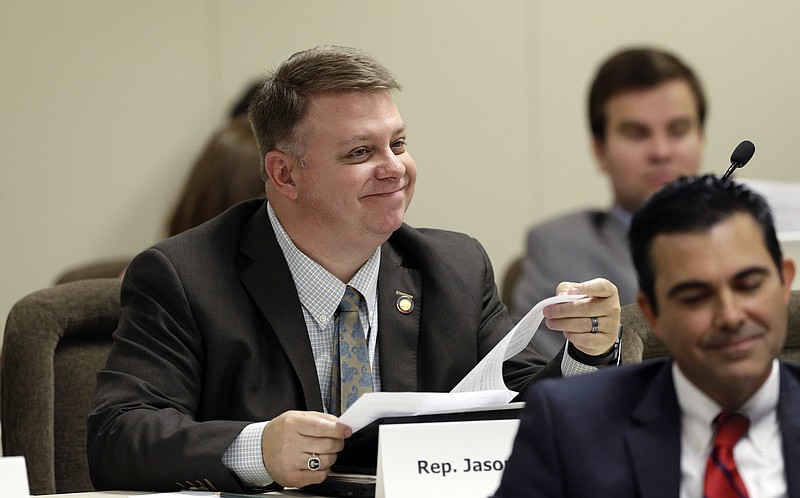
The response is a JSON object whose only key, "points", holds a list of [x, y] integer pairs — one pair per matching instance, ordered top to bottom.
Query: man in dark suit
{"points": [[646, 111], [714, 288], [222, 374]]}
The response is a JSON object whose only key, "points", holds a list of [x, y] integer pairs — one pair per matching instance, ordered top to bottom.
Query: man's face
{"points": [[652, 137], [358, 179], [721, 306]]}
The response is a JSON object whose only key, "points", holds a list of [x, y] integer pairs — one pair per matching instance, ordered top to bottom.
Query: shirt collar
{"points": [[621, 214], [318, 289], [699, 410]]}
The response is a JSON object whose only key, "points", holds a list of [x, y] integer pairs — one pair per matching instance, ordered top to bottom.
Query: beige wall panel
{"points": [[104, 105]]}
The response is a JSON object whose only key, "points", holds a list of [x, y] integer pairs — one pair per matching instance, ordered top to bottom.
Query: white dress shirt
{"points": [[758, 455]]}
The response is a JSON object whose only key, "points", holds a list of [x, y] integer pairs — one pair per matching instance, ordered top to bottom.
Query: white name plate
{"points": [[464, 459], [14, 477]]}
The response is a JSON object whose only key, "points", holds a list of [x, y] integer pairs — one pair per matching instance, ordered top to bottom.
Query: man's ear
{"points": [[599, 151], [278, 166], [788, 271], [647, 311]]}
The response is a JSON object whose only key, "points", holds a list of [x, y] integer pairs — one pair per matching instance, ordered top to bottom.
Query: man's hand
{"points": [[574, 318], [292, 437]]}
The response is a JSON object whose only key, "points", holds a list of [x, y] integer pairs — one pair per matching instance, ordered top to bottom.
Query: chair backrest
{"points": [[105, 268], [510, 279], [637, 329], [56, 340]]}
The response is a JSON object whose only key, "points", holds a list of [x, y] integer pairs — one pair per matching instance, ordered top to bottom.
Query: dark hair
{"points": [[637, 69], [281, 101], [239, 107], [226, 172], [694, 204]]}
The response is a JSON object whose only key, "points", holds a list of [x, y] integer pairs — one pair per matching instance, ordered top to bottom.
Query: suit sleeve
{"points": [[541, 273], [528, 365], [142, 430], [536, 465]]}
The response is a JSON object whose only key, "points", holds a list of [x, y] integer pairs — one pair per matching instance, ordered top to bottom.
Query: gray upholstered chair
{"points": [[105, 268], [510, 279], [638, 332], [56, 340]]}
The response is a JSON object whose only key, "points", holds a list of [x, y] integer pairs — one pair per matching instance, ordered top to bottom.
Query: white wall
{"points": [[103, 105]]}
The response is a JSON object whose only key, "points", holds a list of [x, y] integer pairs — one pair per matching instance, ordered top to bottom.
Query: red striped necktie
{"points": [[722, 477]]}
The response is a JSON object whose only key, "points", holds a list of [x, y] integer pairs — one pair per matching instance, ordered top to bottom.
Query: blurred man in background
{"points": [[646, 113]]}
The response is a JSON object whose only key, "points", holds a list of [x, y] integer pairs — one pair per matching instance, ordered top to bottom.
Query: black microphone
{"points": [[741, 154]]}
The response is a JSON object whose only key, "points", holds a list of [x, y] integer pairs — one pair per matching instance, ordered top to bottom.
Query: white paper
{"points": [[784, 201], [488, 373], [482, 386], [372, 406], [436, 460], [14, 477]]}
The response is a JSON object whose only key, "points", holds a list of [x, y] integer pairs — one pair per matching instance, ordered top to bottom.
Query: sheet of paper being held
{"points": [[488, 373], [483, 386]]}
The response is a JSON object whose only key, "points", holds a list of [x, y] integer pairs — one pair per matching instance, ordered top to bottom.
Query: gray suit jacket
{"points": [[576, 247], [212, 337], [616, 434]]}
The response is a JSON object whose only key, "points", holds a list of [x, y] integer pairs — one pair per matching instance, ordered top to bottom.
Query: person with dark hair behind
{"points": [[239, 108], [646, 111], [225, 172], [718, 418]]}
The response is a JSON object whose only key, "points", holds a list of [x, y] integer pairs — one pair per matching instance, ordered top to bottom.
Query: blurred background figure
{"points": [[239, 108], [646, 112], [226, 172]]}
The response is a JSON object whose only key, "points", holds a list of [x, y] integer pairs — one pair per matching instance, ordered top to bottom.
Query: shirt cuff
{"points": [[570, 367], [243, 457]]}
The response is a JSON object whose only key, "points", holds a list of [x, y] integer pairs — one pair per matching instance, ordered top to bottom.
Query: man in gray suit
{"points": [[646, 112], [222, 374]]}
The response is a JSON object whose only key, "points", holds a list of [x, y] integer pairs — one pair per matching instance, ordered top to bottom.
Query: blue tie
{"points": [[351, 375]]}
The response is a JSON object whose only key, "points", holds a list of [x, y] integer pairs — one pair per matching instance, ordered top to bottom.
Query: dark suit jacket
{"points": [[576, 247], [212, 337], [616, 434]]}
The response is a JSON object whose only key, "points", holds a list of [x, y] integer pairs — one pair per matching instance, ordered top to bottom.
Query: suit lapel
{"points": [[615, 236], [616, 259], [270, 283], [398, 333], [788, 408], [653, 440]]}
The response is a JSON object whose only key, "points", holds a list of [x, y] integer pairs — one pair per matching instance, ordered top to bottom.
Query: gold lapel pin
{"points": [[405, 302]]}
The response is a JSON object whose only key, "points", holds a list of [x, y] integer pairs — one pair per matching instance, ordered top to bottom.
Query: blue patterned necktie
{"points": [[351, 375], [722, 478]]}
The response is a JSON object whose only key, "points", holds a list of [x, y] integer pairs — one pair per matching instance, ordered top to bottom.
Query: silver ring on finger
{"points": [[595, 325], [313, 462]]}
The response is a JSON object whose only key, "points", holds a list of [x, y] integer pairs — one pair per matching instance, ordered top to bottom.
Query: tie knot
{"points": [[351, 301], [731, 426]]}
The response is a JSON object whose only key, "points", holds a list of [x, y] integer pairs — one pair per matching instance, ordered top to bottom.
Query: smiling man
{"points": [[646, 112], [242, 340], [719, 419]]}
